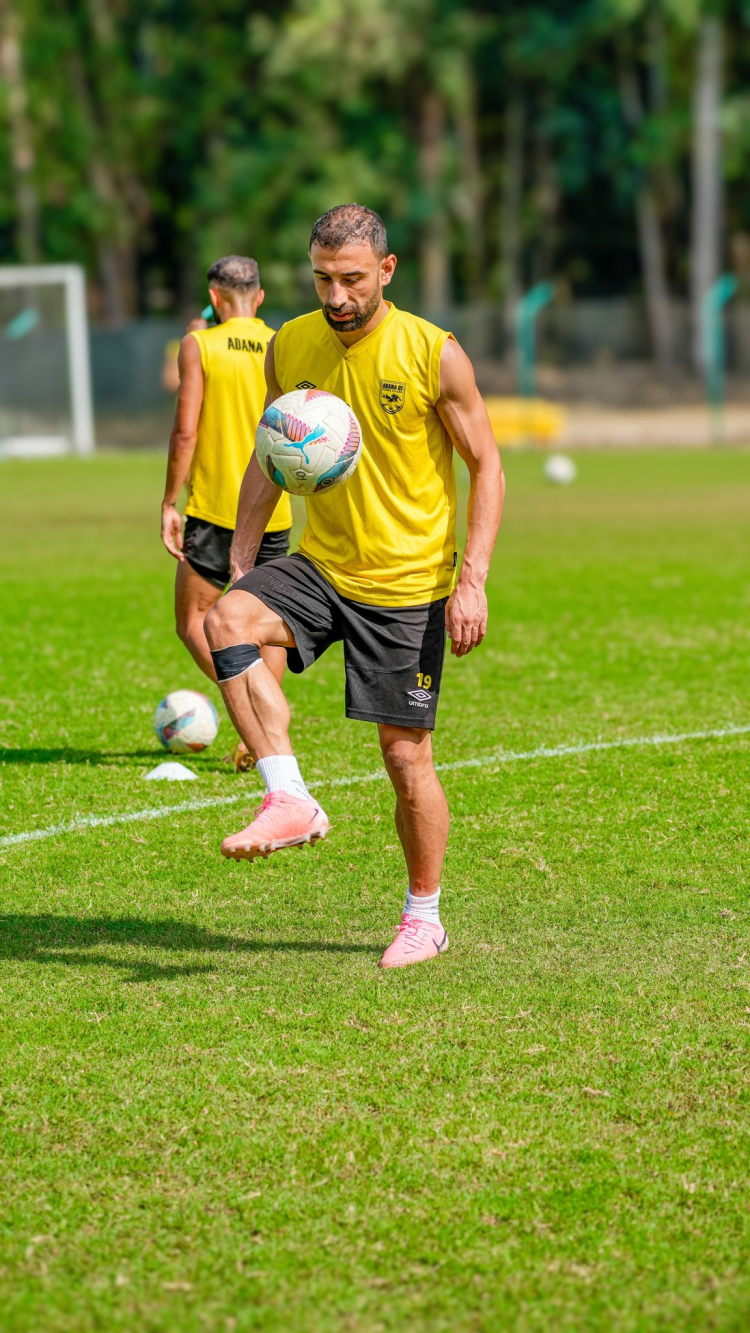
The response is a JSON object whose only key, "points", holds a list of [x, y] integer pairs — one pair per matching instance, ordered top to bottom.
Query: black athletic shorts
{"points": [[206, 549], [393, 655]]}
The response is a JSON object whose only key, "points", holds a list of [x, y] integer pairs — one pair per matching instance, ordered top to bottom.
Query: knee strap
{"points": [[231, 662]]}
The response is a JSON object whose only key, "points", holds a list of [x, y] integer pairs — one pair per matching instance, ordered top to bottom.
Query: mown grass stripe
{"points": [[483, 761]]}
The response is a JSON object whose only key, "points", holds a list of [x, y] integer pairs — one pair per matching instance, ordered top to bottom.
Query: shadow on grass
{"points": [[105, 758], [64, 939]]}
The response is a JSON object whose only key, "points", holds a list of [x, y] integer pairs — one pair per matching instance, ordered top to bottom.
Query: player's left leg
{"points": [[393, 657], [422, 818], [422, 822]]}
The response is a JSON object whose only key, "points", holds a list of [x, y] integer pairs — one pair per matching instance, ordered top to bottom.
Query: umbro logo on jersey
{"points": [[305, 384], [392, 396], [421, 696]]}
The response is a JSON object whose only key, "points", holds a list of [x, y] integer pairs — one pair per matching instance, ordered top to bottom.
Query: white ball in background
{"points": [[560, 469], [186, 722]]}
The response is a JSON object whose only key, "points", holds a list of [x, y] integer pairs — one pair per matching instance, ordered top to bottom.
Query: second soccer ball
{"points": [[308, 441], [560, 470], [186, 722]]}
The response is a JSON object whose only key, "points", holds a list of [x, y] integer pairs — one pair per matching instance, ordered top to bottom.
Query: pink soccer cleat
{"points": [[281, 821], [415, 942]]}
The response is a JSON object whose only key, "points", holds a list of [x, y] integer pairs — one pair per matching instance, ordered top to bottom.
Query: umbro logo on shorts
{"points": [[305, 384], [421, 696]]}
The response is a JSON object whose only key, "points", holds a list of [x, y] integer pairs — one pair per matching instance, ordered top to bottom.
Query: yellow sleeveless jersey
{"points": [[232, 357], [386, 536]]}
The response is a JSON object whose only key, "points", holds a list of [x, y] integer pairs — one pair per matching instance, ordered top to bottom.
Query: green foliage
{"points": [[164, 133]]}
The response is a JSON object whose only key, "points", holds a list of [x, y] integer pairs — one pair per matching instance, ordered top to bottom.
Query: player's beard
{"points": [[359, 315]]}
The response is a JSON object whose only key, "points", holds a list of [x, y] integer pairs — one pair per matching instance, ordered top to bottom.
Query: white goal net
{"points": [[45, 380]]}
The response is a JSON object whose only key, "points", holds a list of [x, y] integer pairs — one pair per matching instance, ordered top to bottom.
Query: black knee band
{"points": [[231, 662]]}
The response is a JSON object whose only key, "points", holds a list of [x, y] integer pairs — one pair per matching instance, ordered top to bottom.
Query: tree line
{"points": [[602, 143]]}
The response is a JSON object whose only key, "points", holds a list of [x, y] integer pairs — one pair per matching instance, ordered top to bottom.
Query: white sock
{"points": [[280, 772], [424, 909]]}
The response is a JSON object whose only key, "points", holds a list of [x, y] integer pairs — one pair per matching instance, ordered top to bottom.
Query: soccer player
{"points": [[219, 404], [375, 566]]}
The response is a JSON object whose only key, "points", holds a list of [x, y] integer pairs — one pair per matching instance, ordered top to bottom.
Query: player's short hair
{"points": [[350, 224], [234, 273]]}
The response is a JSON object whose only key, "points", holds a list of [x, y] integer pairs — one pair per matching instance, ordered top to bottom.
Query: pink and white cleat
{"points": [[282, 820], [415, 942]]}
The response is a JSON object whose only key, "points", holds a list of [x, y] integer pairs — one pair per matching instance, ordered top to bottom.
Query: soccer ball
{"points": [[308, 441], [560, 469], [185, 722]]}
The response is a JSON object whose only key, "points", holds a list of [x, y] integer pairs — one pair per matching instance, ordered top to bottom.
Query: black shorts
{"points": [[206, 549], [393, 655]]}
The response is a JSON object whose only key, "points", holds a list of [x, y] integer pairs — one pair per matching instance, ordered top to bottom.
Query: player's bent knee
{"points": [[212, 622], [229, 622], [222, 625]]}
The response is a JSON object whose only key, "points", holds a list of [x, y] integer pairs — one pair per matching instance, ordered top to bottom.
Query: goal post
{"points": [[45, 375]]}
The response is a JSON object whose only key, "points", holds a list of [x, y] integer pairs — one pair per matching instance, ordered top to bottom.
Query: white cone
{"points": [[170, 771]]}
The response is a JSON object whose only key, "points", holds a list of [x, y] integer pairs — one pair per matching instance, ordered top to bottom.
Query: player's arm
{"points": [[170, 374], [465, 418], [182, 442], [258, 495]]}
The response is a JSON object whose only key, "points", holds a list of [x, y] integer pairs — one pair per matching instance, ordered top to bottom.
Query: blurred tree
{"points": [[541, 48], [99, 70], [642, 74], [400, 111], [90, 142], [503, 143], [22, 156], [470, 192], [511, 227], [434, 256]]}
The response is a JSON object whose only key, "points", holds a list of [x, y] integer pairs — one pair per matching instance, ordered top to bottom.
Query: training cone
{"points": [[170, 771]]}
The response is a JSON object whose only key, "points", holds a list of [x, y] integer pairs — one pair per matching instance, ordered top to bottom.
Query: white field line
{"points": [[483, 761]]}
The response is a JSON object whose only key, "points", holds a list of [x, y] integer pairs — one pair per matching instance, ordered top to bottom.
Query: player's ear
{"points": [[386, 269], [261, 298]]}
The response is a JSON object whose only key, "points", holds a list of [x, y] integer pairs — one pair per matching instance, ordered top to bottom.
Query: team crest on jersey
{"points": [[392, 396]]}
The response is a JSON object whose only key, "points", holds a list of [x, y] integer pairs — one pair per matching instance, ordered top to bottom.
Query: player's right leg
{"points": [[201, 579], [237, 628], [254, 699]]}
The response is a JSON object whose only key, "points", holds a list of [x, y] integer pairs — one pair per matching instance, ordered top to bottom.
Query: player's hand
{"points": [[171, 530], [237, 566], [466, 618]]}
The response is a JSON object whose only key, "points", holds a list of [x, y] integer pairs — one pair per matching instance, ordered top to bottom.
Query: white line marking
{"points": [[484, 761], [106, 821]]}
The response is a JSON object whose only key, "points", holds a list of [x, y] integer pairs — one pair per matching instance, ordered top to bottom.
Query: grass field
{"points": [[217, 1114]]}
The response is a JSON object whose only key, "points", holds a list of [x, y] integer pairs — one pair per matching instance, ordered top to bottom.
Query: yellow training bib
{"points": [[232, 357], [387, 535]]}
